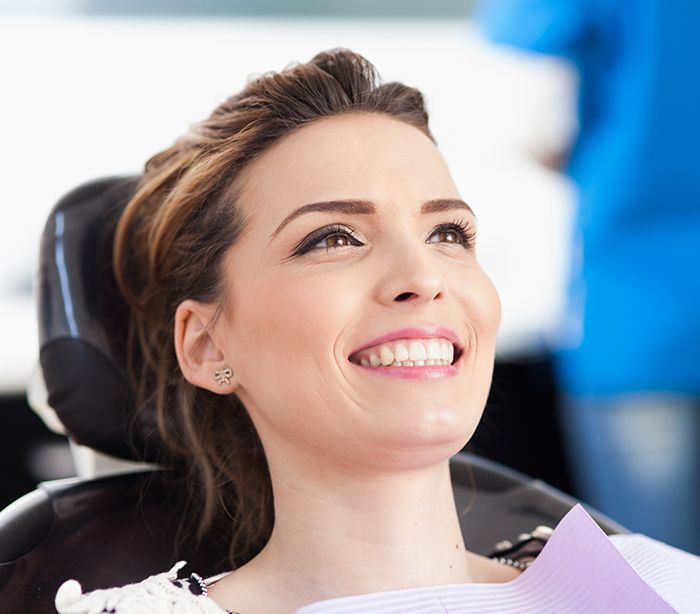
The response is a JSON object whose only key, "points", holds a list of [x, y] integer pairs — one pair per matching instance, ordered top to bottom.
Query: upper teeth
{"points": [[407, 353]]}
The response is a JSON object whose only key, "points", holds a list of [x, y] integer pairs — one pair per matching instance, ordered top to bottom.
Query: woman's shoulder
{"points": [[163, 592]]}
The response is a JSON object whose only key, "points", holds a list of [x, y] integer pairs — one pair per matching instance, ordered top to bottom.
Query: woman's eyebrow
{"points": [[365, 207]]}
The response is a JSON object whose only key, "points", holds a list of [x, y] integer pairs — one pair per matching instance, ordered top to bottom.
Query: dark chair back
{"points": [[82, 324]]}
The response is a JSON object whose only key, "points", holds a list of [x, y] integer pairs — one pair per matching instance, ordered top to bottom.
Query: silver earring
{"points": [[223, 376]]}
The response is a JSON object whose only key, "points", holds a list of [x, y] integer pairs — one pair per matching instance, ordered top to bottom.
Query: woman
{"points": [[310, 321]]}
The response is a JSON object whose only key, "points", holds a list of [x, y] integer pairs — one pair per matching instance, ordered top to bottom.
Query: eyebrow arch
{"points": [[366, 207]]}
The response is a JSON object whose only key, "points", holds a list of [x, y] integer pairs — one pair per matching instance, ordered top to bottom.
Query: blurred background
{"points": [[93, 88]]}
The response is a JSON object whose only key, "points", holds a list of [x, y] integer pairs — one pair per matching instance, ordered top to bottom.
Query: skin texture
{"points": [[359, 461]]}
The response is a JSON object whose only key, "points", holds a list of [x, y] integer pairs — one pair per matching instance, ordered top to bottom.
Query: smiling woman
{"points": [[309, 214], [311, 325]]}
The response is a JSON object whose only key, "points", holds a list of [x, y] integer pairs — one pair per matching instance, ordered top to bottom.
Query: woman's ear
{"points": [[202, 361]]}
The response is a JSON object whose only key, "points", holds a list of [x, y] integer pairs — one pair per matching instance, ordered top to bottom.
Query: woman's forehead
{"points": [[360, 156]]}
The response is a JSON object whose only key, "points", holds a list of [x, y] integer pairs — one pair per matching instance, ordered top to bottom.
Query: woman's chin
{"points": [[436, 435]]}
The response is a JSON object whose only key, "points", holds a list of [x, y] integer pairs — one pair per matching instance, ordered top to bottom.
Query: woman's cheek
{"points": [[483, 305], [298, 316]]}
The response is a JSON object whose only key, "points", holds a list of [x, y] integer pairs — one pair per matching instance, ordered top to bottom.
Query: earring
{"points": [[223, 376]]}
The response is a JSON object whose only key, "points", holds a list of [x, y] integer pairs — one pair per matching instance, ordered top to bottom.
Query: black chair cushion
{"points": [[83, 323]]}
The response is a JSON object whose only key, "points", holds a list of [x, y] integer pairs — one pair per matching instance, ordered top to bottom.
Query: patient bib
{"points": [[578, 570]]}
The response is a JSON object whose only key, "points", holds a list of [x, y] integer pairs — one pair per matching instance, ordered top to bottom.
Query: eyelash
{"points": [[461, 227]]}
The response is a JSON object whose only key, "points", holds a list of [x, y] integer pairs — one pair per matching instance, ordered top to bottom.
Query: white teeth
{"points": [[445, 349], [434, 350], [416, 351], [401, 352], [430, 352], [386, 356]]}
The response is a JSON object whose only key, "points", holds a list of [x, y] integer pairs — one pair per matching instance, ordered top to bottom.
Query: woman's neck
{"points": [[345, 535]]}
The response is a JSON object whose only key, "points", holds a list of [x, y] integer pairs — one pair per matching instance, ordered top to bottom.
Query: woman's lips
{"points": [[425, 352]]}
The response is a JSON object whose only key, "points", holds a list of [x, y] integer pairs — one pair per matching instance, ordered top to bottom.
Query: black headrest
{"points": [[83, 324]]}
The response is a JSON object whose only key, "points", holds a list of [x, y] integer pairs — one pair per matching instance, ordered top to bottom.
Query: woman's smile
{"points": [[429, 352]]}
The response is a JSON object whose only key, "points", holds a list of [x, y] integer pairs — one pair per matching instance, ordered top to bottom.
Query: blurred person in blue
{"points": [[628, 358]]}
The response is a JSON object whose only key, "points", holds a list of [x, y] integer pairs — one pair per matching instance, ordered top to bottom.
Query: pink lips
{"points": [[425, 372]]}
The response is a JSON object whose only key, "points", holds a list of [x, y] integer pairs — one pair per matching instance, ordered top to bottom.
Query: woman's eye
{"points": [[458, 233], [446, 236], [327, 239], [336, 240]]}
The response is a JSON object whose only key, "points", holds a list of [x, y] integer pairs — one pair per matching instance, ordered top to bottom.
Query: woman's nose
{"points": [[411, 280]]}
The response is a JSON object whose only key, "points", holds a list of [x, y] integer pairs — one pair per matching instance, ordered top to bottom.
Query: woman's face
{"points": [[358, 251]]}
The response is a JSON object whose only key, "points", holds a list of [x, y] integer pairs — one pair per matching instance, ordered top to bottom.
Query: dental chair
{"points": [[111, 530]]}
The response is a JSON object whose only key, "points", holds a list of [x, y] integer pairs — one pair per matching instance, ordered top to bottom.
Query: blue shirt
{"points": [[636, 290]]}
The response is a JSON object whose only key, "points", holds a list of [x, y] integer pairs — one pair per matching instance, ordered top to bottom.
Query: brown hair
{"points": [[169, 246]]}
